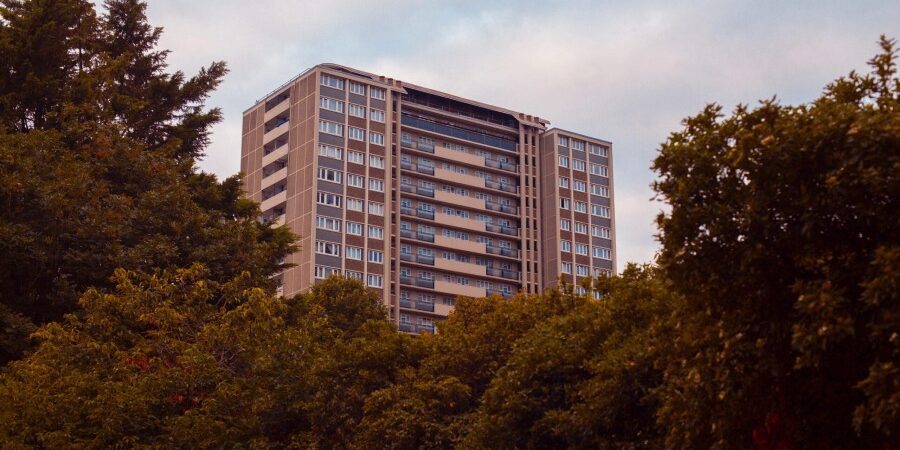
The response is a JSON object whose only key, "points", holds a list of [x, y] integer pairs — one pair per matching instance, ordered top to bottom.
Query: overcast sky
{"points": [[627, 71]]}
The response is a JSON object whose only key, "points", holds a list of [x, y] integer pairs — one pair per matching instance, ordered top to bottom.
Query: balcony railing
{"points": [[406, 165], [501, 165], [428, 170], [502, 186], [406, 188], [428, 192], [502, 208], [425, 214], [501, 229], [406, 233], [427, 237], [502, 251], [407, 257], [423, 259], [503, 273], [407, 280], [422, 282], [490, 292], [406, 303], [425, 306], [407, 327], [422, 328]]}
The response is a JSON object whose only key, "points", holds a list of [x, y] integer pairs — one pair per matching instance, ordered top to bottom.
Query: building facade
{"points": [[425, 196]]}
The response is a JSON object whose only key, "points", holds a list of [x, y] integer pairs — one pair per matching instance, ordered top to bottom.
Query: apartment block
{"points": [[425, 196]]}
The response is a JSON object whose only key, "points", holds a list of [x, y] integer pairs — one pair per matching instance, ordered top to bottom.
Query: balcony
{"points": [[276, 110], [277, 131], [459, 133], [279, 152], [406, 165], [509, 167], [427, 170], [274, 177], [407, 188], [511, 188], [425, 191], [273, 201], [501, 208], [425, 214], [279, 221], [460, 222], [501, 229], [409, 234], [425, 237], [459, 244], [510, 253], [409, 257], [423, 259], [460, 267], [503, 273], [407, 280], [425, 283], [459, 289], [499, 292], [406, 303], [425, 306], [407, 327], [425, 328]]}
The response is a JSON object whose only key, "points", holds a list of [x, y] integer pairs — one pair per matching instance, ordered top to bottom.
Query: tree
{"points": [[98, 153], [783, 238], [164, 362], [585, 379]]}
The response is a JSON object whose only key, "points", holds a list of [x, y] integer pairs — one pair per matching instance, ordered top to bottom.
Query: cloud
{"points": [[623, 71]]}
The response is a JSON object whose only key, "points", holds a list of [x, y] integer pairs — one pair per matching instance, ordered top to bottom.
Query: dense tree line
{"points": [[136, 308]]}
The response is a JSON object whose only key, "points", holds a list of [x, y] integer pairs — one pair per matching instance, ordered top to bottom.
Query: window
{"points": [[330, 81], [357, 88], [376, 93], [331, 104], [357, 111], [377, 115], [331, 128], [357, 134], [376, 138], [564, 141], [577, 145], [599, 150], [330, 151], [356, 157], [376, 161], [563, 161], [578, 165], [598, 169], [331, 175], [355, 180], [563, 182], [376, 185], [580, 186], [602, 191], [329, 199], [564, 203], [354, 204], [581, 207], [376, 208], [602, 211], [328, 223], [565, 224], [581, 227], [355, 228], [376, 232], [601, 232], [565, 246], [328, 248], [581, 249], [354, 253], [602, 253], [376, 256], [566, 267], [581, 271], [324, 272], [354, 275], [374, 280]]}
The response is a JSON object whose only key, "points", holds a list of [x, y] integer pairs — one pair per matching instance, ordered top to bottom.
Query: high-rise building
{"points": [[425, 196]]}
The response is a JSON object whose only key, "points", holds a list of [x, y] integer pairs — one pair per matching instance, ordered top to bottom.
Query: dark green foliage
{"points": [[98, 146], [783, 236]]}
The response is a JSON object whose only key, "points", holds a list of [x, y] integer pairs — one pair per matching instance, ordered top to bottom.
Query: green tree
{"points": [[98, 152], [783, 238], [162, 361], [585, 379]]}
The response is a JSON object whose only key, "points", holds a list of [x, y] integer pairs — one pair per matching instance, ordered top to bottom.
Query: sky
{"points": [[627, 72]]}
